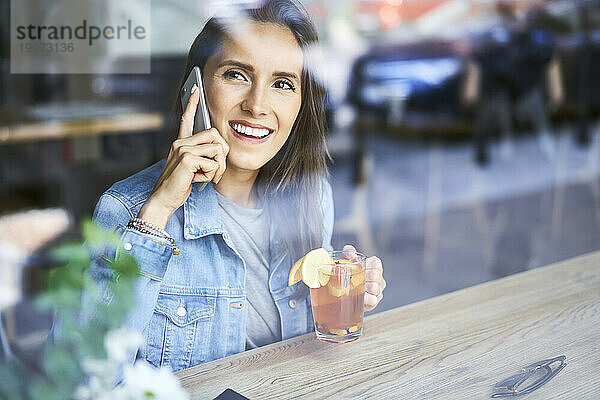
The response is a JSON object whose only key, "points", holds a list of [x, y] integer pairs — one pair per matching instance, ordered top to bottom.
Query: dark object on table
{"points": [[537, 374], [230, 394]]}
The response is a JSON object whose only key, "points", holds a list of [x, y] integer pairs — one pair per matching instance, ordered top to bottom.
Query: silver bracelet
{"points": [[146, 227]]}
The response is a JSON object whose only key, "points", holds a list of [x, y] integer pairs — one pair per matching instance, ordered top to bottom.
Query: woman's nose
{"points": [[256, 102]]}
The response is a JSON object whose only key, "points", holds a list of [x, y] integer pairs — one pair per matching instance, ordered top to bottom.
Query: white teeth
{"points": [[246, 130]]}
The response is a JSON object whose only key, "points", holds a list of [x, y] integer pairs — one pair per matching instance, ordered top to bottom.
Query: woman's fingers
{"points": [[186, 127], [211, 135], [200, 144], [213, 151], [221, 158], [221, 161], [201, 168], [206, 168], [200, 177], [349, 248], [349, 252], [375, 264], [373, 275], [374, 283], [372, 288], [371, 301]]}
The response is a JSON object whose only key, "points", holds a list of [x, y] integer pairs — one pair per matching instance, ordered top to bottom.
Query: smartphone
{"points": [[202, 118]]}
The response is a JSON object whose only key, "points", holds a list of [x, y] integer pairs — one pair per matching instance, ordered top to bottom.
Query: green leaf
{"points": [[96, 237], [71, 252], [126, 266], [108, 302], [62, 368], [11, 374], [44, 390]]}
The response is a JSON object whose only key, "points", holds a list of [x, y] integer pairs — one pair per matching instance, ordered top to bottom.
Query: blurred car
{"points": [[412, 86]]}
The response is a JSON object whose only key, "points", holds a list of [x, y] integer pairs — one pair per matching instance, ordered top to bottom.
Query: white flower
{"points": [[122, 343], [97, 368], [142, 381]]}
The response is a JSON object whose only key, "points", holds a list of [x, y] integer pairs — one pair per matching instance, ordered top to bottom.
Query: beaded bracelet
{"points": [[146, 227]]}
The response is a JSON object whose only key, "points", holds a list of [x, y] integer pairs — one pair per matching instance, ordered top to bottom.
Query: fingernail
{"points": [[194, 88], [218, 180]]}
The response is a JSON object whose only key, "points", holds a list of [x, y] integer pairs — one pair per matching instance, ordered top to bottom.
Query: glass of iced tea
{"points": [[337, 304]]}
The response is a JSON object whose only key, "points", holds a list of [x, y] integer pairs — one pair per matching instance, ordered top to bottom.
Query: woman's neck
{"points": [[237, 186]]}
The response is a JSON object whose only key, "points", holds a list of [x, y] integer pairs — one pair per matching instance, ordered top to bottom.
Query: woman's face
{"points": [[253, 92]]}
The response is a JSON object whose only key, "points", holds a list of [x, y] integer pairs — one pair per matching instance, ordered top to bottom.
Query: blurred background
{"points": [[464, 137]]}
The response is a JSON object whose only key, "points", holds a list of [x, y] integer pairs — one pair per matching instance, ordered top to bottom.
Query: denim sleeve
{"points": [[328, 214], [151, 253]]}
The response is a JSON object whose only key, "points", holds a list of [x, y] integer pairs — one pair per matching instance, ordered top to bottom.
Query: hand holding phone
{"points": [[197, 155]]}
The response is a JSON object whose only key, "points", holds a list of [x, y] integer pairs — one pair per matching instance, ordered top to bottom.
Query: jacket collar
{"points": [[201, 212]]}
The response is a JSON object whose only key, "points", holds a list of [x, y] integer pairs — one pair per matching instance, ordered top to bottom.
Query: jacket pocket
{"points": [[183, 310], [180, 326]]}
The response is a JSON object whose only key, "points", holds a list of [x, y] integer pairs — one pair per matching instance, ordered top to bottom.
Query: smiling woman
{"points": [[215, 257]]}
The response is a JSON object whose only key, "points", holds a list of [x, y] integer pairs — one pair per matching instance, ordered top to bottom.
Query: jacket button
{"points": [[127, 246], [292, 303], [181, 311]]}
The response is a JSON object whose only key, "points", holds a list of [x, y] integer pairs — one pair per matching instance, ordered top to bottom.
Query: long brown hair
{"points": [[291, 182]]}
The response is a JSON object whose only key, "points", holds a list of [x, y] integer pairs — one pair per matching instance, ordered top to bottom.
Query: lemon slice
{"points": [[311, 263], [295, 273], [324, 275]]}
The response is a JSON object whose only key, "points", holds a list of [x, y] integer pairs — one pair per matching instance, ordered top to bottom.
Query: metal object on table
{"points": [[542, 371]]}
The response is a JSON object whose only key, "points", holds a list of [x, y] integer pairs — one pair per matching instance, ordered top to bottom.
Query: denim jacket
{"points": [[191, 307]]}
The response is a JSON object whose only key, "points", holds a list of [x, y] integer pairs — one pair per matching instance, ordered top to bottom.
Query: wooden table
{"points": [[32, 130], [455, 346]]}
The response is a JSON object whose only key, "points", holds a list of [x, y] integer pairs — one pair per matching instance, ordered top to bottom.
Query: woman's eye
{"points": [[234, 75], [285, 85]]}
